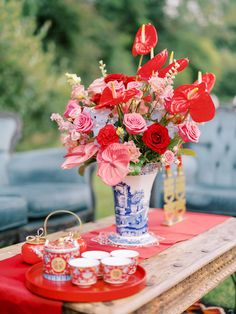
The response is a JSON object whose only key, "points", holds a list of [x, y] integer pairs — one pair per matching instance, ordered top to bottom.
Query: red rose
{"points": [[107, 135], [157, 138]]}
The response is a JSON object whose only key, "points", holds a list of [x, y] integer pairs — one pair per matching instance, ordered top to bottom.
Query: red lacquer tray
{"points": [[66, 291]]}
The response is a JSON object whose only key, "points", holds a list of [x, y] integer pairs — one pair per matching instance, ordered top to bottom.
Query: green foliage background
{"points": [[40, 40]]}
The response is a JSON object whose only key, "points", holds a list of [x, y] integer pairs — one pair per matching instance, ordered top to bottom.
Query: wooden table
{"points": [[176, 278]]}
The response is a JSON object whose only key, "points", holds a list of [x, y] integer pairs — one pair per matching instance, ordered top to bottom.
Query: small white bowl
{"points": [[95, 254], [131, 254], [98, 255], [116, 270], [84, 271]]}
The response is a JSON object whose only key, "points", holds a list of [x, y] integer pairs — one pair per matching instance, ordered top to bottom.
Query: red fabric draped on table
{"points": [[15, 298]]}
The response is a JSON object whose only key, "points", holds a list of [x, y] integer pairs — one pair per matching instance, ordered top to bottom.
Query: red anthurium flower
{"points": [[145, 39], [153, 65], [178, 65], [114, 77], [119, 77], [209, 79], [96, 98], [108, 99], [195, 99], [202, 109]]}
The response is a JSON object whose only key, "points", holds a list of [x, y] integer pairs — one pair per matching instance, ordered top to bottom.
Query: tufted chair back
{"points": [[216, 151]]}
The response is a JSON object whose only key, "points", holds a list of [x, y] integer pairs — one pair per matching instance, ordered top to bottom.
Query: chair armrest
{"points": [[42, 165]]}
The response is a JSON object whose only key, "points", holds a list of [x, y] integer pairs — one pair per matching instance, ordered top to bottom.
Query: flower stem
{"points": [[140, 62], [119, 111], [185, 116]]}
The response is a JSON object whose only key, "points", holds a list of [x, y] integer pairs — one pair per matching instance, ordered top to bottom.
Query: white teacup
{"points": [[131, 254], [98, 255], [116, 270], [84, 271]]}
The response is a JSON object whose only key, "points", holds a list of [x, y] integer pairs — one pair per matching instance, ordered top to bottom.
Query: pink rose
{"points": [[97, 86], [72, 109], [83, 123], [134, 123], [189, 132], [133, 151], [79, 155], [168, 158], [113, 163]]}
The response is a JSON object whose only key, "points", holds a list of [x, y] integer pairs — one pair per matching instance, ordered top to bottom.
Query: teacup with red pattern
{"points": [[131, 254], [98, 255], [116, 270], [84, 271]]}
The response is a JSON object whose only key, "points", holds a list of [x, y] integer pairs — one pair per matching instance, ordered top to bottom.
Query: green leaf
{"points": [[174, 141], [188, 152], [135, 170]]}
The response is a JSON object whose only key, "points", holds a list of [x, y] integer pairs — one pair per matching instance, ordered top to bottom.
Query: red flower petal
{"points": [[145, 39], [182, 64], [153, 65], [114, 77], [119, 78], [129, 79], [209, 79], [130, 93], [182, 97], [96, 98], [147, 98], [108, 101], [202, 109]]}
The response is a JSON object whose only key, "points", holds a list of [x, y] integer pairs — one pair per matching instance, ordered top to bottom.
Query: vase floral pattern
{"points": [[131, 197]]}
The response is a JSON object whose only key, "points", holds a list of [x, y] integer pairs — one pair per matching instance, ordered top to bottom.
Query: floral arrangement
{"points": [[127, 122]]}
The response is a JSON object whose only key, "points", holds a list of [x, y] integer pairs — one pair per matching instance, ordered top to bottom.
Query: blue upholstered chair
{"points": [[211, 176], [35, 181], [13, 207]]}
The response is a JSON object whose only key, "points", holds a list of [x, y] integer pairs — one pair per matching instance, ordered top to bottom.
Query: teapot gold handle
{"points": [[59, 212]]}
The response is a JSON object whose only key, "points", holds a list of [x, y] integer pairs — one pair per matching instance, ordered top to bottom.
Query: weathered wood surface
{"points": [[15, 249], [176, 278]]}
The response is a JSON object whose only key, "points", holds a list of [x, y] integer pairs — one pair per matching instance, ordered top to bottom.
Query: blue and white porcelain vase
{"points": [[131, 200]]}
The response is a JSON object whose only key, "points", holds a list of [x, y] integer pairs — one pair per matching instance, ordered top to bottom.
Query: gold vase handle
{"points": [[59, 212]]}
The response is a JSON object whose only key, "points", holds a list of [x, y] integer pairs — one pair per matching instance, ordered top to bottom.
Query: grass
{"points": [[104, 199], [223, 295]]}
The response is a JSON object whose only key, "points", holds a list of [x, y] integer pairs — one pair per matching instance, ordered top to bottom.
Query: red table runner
{"points": [[194, 224], [15, 298]]}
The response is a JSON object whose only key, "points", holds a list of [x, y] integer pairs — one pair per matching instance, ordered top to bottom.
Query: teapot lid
{"points": [[37, 239], [63, 244]]}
